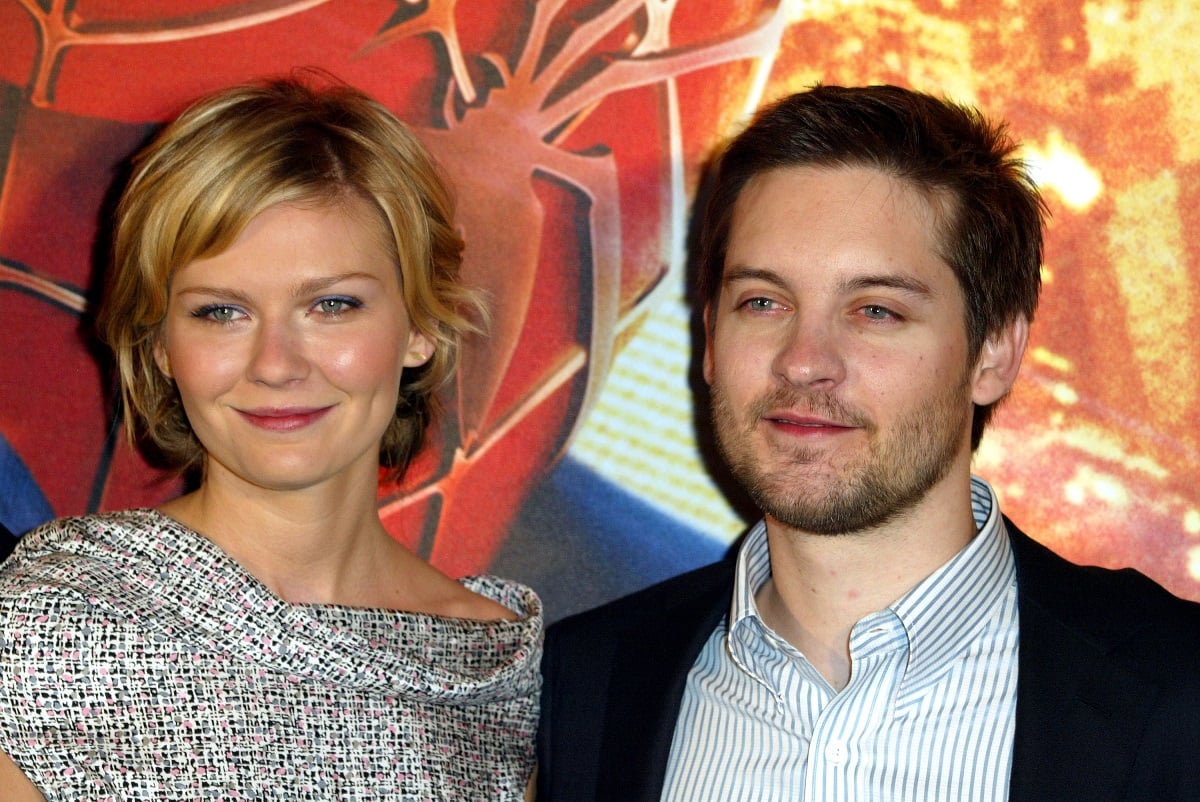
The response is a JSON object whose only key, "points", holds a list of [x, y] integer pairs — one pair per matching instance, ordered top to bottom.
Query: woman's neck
{"points": [[310, 545], [323, 546]]}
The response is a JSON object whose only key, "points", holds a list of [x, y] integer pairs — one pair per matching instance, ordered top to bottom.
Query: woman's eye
{"points": [[336, 305], [218, 313]]}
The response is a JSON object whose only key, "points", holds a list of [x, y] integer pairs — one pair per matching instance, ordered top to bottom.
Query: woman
{"points": [[283, 304]]}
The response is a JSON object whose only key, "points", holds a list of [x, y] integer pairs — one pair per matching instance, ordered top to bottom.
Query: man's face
{"points": [[837, 350]]}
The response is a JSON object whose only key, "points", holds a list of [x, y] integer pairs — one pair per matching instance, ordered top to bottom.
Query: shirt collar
{"points": [[944, 613], [941, 615]]}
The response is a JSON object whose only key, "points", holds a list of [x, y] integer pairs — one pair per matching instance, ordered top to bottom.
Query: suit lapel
{"points": [[651, 667], [1079, 714]]}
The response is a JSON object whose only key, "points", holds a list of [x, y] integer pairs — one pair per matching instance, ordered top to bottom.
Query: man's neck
{"points": [[822, 585]]}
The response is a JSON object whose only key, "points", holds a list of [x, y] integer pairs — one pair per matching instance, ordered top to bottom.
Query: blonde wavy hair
{"points": [[234, 154]]}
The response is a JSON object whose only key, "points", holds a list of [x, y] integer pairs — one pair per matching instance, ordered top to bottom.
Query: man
{"points": [[869, 268]]}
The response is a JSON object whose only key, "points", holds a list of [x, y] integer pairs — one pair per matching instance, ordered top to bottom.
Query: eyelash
{"points": [[346, 302], [759, 304], [206, 312], [873, 312], [886, 312]]}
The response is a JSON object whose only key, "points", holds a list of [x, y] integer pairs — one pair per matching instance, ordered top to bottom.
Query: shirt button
{"points": [[837, 753]]}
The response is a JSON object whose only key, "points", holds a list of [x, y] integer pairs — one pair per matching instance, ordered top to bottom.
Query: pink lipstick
{"points": [[284, 419]]}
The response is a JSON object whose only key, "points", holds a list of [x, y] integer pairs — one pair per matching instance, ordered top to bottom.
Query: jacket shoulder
{"points": [[673, 602], [1122, 612], [613, 677], [1108, 696]]}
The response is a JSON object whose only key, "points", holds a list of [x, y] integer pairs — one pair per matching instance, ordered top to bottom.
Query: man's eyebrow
{"points": [[744, 273], [894, 281], [906, 284]]}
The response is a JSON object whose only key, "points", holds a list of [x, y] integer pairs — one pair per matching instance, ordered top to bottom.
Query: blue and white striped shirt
{"points": [[928, 712]]}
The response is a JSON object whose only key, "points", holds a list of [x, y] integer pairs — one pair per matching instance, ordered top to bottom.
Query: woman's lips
{"points": [[283, 420]]}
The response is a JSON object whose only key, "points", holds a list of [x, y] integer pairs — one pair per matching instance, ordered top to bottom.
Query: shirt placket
{"points": [[844, 729]]}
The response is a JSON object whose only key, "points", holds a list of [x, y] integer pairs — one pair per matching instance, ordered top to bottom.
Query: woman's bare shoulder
{"points": [[449, 598], [17, 787]]}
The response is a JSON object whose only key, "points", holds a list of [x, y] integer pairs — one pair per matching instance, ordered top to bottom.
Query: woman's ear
{"points": [[420, 349], [160, 357], [999, 361]]}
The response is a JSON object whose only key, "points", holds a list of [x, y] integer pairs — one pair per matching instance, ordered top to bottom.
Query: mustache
{"points": [[819, 405]]}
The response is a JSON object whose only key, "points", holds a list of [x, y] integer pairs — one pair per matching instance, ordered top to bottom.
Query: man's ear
{"points": [[708, 360], [998, 363]]}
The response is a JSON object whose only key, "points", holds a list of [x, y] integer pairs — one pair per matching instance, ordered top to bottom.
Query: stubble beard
{"points": [[892, 477]]}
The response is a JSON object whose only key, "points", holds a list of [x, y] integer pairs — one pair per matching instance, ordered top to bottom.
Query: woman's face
{"points": [[287, 348]]}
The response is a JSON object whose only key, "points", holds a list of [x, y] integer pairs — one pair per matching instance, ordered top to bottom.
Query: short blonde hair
{"points": [[234, 154]]}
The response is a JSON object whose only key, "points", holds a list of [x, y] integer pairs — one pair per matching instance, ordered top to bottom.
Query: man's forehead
{"points": [[900, 189], [796, 207]]}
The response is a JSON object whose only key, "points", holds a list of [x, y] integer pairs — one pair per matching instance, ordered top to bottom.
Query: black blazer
{"points": [[1108, 688]]}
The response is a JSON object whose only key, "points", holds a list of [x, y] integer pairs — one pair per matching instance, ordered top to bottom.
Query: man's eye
{"points": [[760, 304], [877, 312]]}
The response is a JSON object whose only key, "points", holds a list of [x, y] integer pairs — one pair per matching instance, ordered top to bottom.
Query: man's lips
{"points": [[283, 419], [806, 424]]}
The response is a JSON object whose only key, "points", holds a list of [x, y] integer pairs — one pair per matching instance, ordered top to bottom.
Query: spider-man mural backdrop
{"points": [[576, 134]]}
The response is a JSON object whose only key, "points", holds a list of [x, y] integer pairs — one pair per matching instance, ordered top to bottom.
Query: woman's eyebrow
{"points": [[315, 285], [224, 293]]}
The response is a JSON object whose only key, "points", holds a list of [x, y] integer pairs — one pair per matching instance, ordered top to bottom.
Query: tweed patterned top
{"points": [[138, 661]]}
